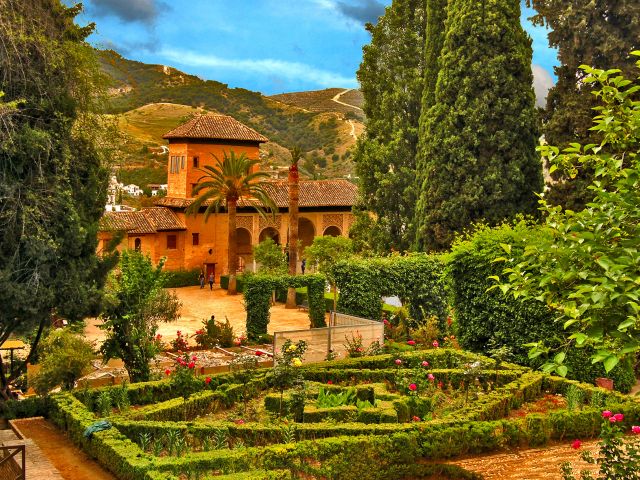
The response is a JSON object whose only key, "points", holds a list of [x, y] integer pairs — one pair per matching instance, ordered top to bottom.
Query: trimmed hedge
{"points": [[181, 278], [416, 278], [240, 281], [489, 319]]}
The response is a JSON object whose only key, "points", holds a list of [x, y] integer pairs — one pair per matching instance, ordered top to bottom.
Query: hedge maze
{"points": [[392, 416]]}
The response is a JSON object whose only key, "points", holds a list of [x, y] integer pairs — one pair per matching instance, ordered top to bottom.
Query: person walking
{"points": [[303, 265], [201, 278], [211, 280]]}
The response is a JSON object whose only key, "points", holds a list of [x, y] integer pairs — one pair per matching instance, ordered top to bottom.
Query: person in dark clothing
{"points": [[303, 265], [201, 278], [211, 280]]}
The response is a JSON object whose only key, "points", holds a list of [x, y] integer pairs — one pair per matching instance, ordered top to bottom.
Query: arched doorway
{"points": [[332, 231], [306, 232], [271, 233], [137, 244], [245, 251]]}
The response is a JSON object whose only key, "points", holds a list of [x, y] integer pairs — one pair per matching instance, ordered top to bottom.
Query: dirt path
{"points": [[337, 99], [198, 304], [70, 461], [529, 464]]}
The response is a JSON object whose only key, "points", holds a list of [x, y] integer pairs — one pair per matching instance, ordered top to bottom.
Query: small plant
{"points": [[428, 332], [215, 333], [180, 343], [354, 345], [374, 349], [499, 355], [284, 374], [183, 379], [120, 397], [575, 398], [598, 399], [103, 404], [288, 434], [221, 439], [144, 441], [171, 441], [238, 444], [207, 445], [180, 446], [157, 447], [617, 459]]}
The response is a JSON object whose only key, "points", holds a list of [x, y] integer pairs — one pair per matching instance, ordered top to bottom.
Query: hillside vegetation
{"points": [[148, 100], [346, 101]]}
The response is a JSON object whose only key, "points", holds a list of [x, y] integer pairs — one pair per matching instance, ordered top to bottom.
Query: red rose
{"points": [[411, 342], [191, 364], [167, 372], [207, 380], [413, 387], [619, 417], [576, 444]]}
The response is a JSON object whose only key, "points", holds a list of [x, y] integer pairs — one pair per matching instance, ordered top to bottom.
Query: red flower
{"points": [[449, 321], [386, 322], [158, 337], [411, 342], [435, 344], [258, 353], [398, 361], [191, 365], [167, 372], [207, 380], [329, 382], [440, 384], [413, 387], [606, 414], [619, 417], [416, 419], [613, 419], [239, 422], [635, 429], [576, 444]]}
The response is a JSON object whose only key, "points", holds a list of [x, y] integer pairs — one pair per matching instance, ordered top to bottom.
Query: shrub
{"points": [[181, 278], [240, 282]]}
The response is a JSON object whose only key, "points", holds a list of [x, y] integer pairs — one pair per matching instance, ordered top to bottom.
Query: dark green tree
{"points": [[598, 33], [391, 80], [481, 134], [52, 170], [136, 303]]}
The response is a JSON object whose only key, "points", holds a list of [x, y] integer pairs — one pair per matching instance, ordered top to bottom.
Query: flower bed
{"points": [[389, 411]]}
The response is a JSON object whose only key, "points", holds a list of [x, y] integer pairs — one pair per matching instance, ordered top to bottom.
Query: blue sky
{"points": [[271, 46]]}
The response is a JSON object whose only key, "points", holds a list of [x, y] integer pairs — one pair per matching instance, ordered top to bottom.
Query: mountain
{"points": [[148, 100], [347, 101]]}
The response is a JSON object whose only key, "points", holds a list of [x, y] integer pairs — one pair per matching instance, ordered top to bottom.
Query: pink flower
{"points": [[386, 322], [411, 342], [435, 344], [194, 358], [398, 361], [425, 364], [191, 365], [167, 372], [431, 377], [329, 382], [413, 387], [606, 414], [619, 417], [416, 419], [613, 419], [239, 422], [635, 429], [576, 444]]}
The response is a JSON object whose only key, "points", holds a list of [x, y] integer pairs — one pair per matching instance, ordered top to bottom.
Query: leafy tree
{"points": [[599, 33], [391, 80], [480, 159], [53, 175], [232, 179], [294, 200], [325, 252], [270, 257], [587, 269], [135, 305], [64, 358]]}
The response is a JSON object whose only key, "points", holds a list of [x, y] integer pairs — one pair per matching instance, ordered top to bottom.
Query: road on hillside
{"points": [[337, 99]]}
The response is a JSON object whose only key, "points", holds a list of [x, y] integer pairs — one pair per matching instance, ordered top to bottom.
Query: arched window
{"points": [[332, 231], [137, 244]]}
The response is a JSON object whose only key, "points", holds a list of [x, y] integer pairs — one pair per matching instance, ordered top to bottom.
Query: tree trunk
{"points": [[294, 197], [233, 246]]}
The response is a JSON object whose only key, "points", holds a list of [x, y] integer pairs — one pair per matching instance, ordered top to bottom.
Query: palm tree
{"points": [[225, 183], [294, 198]]}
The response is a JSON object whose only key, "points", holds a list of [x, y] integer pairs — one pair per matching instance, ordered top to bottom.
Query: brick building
{"points": [[187, 241]]}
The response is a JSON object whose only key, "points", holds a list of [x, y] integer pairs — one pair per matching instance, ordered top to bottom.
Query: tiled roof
{"points": [[218, 127], [313, 193], [147, 220]]}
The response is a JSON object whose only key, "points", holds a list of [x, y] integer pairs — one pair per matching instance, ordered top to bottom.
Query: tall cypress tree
{"points": [[436, 18], [598, 33], [391, 80], [481, 134]]}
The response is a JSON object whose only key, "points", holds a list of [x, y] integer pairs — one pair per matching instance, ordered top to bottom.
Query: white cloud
{"points": [[289, 70], [542, 82]]}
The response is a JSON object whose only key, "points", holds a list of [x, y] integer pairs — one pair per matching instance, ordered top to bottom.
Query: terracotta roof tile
{"points": [[218, 127], [313, 193], [147, 220]]}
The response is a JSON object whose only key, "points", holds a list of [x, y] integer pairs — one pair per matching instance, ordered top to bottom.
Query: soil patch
{"points": [[70, 461]]}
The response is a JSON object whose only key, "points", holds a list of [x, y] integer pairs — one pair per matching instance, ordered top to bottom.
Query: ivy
{"points": [[416, 279], [257, 299]]}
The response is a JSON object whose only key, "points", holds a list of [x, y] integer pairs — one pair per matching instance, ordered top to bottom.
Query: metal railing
{"points": [[7, 456]]}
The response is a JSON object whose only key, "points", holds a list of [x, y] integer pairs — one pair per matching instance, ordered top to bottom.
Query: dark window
{"points": [[183, 161], [196, 162], [196, 238], [172, 242], [138, 244]]}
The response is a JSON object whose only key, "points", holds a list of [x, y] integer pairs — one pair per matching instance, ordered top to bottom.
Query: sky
{"points": [[270, 46]]}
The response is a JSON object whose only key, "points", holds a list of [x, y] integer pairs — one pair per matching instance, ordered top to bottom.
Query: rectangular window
{"points": [[183, 162], [196, 162], [172, 165], [195, 238], [172, 242]]}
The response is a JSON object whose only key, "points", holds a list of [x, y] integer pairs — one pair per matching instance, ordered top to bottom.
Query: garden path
{"points": [[198, 304], [528, 464]]}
